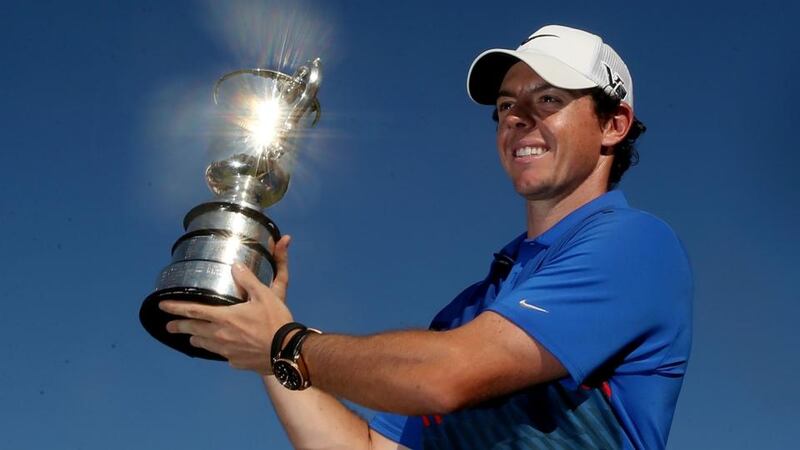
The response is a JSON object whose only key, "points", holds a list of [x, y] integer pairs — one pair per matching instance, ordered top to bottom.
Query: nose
{"points": [[518, 118]]}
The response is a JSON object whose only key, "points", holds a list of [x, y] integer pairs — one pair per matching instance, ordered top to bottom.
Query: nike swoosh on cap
{"points": [[536, 36], [524, 303]]}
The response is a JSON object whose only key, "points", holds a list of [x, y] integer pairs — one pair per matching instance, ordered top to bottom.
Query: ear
{"points": [[616, 128]]}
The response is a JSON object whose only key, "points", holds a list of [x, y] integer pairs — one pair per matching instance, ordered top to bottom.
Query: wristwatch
{"points": [[288, 366]]}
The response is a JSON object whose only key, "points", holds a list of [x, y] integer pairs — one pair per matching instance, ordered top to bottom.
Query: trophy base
{"points": [[218, 235], [155, 320]]}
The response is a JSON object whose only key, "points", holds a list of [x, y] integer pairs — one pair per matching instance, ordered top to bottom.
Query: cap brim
{"points": [[489, 68]]}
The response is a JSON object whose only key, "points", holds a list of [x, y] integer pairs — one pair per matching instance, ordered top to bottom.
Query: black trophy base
{"points": [[154, 320]]}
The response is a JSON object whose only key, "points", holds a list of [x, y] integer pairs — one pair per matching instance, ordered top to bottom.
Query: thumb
{"points": [[246, 280], [281, 281]]}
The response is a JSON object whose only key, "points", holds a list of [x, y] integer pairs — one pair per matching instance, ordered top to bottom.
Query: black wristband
{"points": [[280, 336], [290, 349]]}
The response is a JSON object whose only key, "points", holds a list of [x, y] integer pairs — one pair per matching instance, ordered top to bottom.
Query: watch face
{"points": [[287, 374]]}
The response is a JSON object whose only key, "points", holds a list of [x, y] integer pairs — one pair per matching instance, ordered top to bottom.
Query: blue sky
{"points": [[396, 204]]}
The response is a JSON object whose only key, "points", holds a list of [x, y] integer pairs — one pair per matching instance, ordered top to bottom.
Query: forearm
{"points": [[242, 332], [403, 372], [314, 419]]}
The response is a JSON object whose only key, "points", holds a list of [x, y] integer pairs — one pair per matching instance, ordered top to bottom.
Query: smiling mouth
{"points": [[534, 152]]}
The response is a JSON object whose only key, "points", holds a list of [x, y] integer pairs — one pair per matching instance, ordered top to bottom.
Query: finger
{"points": [[246, 280], [281, 281], [190, 310], [193, 327], [208, 344]]}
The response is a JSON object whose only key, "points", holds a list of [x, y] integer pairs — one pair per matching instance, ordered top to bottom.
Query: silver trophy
{"points": [[261, 112]]}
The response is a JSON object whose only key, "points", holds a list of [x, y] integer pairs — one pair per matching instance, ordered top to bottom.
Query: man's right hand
{"points": [[243, 332]]}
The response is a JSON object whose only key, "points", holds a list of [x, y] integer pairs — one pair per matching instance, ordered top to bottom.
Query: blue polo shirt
{"points": [[608, 292]]}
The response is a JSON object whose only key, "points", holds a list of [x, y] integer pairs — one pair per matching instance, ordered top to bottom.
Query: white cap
{"points": [[565, 57]]}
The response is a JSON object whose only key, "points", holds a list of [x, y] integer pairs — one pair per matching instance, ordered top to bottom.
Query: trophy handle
{"points": [[309, 77]]}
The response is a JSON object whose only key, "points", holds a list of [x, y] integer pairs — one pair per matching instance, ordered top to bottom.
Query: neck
{"points": [[543, 214]]}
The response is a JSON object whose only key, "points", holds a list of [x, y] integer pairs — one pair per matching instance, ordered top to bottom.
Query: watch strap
{"points": [[280, 336], [295, 345], [290, 350]]}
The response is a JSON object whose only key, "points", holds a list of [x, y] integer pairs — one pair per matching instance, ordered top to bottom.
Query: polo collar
{"points": [[611, 199]]}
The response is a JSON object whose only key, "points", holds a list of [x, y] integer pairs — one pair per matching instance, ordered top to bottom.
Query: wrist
{"points": [[287, 363]]}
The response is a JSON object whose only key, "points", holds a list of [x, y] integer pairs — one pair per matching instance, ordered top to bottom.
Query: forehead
{"points": [[520, 75], [522, 81]]}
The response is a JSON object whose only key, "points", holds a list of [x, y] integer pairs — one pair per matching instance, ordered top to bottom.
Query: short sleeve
{"points": [[615, 294], [401, 429]]}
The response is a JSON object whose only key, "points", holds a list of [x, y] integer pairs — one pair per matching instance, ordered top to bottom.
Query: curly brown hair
{"points": [[625, 153]]}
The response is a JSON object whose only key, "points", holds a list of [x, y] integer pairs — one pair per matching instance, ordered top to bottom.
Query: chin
{"points": [[529, 186], [538, 190], [530, 193], [534, 196]]}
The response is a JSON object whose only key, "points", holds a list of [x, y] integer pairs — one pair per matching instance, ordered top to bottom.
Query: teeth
{"points": [[530, 151]]}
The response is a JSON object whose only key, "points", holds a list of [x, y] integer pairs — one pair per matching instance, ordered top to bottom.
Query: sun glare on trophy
{"points": [[262, 112], [254, 115], [263, 122]]}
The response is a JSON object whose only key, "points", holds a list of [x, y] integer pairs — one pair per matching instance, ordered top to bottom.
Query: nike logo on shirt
{"points": [[524, 303]]}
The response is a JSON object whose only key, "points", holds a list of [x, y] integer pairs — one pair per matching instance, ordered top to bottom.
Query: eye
{"points": [[549, 99], [505, 105]]}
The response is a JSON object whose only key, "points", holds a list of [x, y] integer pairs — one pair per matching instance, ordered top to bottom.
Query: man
{"points": [[578, 338]]}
